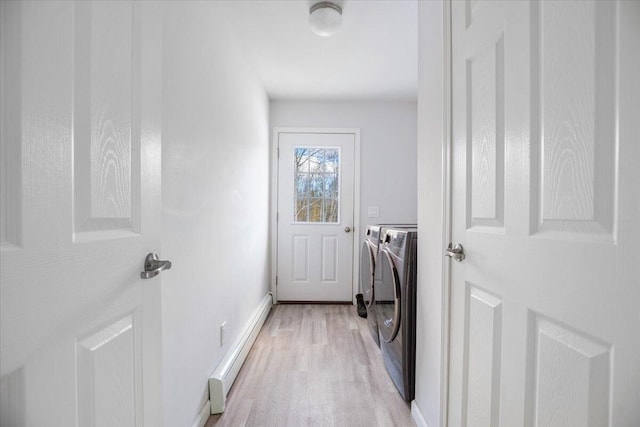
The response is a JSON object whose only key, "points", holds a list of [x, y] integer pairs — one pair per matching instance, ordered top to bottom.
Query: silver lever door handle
{"points": [[456, 252], [153, 266]]}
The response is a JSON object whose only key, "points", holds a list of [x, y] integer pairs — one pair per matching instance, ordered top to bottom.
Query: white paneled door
{"points": [[546, 154], [80, 200], [315, 216]]}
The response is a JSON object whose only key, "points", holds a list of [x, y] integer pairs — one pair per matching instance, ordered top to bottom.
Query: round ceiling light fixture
{"points": [[325, 18]]}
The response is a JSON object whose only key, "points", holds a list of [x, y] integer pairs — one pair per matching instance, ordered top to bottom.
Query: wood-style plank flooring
{"points": [[314, 365]]}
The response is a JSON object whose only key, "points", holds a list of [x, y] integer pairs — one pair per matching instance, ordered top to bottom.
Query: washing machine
{"points": [[368, 255], [395, 305]]}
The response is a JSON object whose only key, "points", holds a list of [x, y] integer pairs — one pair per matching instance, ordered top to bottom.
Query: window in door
{"points": [[317, 184]]}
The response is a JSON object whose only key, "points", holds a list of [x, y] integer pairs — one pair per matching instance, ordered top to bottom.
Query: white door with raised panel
{"points": [[80, 201], [546, 203], [315, 216]]}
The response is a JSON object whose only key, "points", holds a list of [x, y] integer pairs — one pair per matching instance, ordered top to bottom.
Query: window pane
{"points": [[301, 156], [315, 159], [331, 159], [302, 185], [316, 186], [331, 186], [301, 210], [315, 210], [330, 210]]}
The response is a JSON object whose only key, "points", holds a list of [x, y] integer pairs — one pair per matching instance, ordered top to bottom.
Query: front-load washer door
{"points": [[367, 262], [367, 266], [387, 296]]}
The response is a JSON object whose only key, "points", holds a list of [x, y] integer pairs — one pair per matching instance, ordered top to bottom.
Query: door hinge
{"points": [[278, 153], [277, 216], [276, 281]]}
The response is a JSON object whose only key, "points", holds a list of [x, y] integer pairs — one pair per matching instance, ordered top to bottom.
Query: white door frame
{"points": [[434, 154], [447, 195], [274, 200]]}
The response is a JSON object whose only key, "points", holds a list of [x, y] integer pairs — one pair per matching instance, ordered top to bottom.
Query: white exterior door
{"points": [[80, 148], [546, 154], [315, 216]]}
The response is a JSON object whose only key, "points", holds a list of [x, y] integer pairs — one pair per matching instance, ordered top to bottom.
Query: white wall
{"points": [[387, 149], [215, 175], [429, 356]]}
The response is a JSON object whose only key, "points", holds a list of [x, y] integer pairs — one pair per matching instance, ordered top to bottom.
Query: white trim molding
{"points": [[274, 200], [447, 205], [434, 212], [204, 415], [417, 416]]}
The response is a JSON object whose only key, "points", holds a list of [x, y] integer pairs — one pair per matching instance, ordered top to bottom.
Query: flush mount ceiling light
{"points": [[325, 18]]}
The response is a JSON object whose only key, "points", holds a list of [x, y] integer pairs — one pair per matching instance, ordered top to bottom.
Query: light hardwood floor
{"points": [[314, 365]]}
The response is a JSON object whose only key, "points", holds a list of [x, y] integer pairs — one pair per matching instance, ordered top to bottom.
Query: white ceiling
{"points": [[374, 56]]}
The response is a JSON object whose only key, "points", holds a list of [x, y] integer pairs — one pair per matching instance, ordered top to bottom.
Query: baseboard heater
{"points": [[225, 374]]}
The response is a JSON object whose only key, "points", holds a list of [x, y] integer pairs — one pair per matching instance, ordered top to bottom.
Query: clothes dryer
{"points": [[368, 256], [395, 306]]}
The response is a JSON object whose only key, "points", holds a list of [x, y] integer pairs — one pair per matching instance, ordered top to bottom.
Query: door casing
{"points": [[447, 195], [274, 201]]}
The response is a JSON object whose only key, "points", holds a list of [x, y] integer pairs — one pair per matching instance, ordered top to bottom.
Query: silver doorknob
{"points": [[347, 229], [456, 252], [153, 266]]}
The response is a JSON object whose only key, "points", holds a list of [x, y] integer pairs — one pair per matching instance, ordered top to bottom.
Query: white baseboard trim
{"points": [[225, 374], [204, 415], [417, 416]]}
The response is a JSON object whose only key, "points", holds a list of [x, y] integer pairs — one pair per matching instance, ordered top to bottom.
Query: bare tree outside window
{"points": [[316, 183]]}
